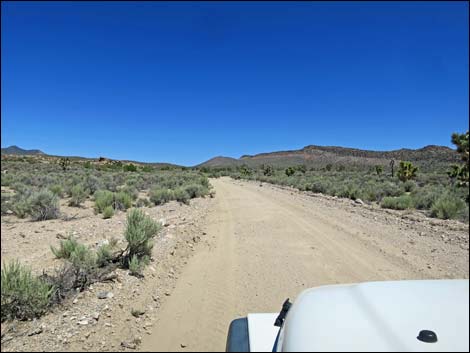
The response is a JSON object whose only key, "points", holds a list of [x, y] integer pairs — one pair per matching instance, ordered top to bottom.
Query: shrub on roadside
{"points": [[409, 186], [195, 190], [181, 195], [160, 196], [423, 198], [143, 202], [397, 203], [447, 207], [108, 212], [139, 233], [76, 253], [104, 253], [136, 265], [23, 296]]}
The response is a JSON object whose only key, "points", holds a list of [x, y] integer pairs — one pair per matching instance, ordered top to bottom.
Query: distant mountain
{"points": [[15, 150], [19, 151], [319, 156], [220, 162]]}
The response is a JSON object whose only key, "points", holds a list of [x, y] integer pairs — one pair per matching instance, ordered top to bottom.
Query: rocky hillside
{"points": [[19, 151], [319, 156]]}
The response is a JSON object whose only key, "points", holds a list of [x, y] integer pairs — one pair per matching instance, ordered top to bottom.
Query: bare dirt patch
{"points": [[268, 243], [126, 314]]}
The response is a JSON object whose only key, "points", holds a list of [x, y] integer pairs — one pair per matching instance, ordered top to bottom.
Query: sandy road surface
{"points": [[266, 245]]}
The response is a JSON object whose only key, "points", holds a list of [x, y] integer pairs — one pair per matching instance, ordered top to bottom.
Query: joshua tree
{"points": [[64, 163], [392, 163], [379, 169], [268, 170], [290, 171], [406, 171], [461, 172]]}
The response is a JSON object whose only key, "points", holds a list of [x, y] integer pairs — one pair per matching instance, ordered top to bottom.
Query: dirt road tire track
{"points": [[265, 246]]}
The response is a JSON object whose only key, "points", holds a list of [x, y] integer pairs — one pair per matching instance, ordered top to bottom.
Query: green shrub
{"points": [[129, 168], [409, 186], [391, 189], [57, 190], [195, 190], [131, 191], [78, 195], [181, 195], [160, 196], [423, 198], [103, 199], [122, 201], [143, 202], [397, 203], [43, 205], [447, 206], [21, 207], [108, 212], [140, 230], [66, 248], [78, 254], [104, 254], [83, 258], [137, 265], [23, 295]]}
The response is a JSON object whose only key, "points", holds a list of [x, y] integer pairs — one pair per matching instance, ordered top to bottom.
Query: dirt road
{"points": [[267, 244]]}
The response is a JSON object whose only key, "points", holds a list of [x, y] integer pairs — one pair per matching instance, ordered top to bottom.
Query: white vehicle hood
{"points": [[379, 316]]}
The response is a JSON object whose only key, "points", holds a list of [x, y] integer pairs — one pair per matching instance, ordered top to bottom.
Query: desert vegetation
{"points": [[34, 188], [439, 191], [25, 296]]}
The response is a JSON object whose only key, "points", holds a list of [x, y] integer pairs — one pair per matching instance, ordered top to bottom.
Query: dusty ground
{"points": [[268, 244], [246, 250], [85, 322]]}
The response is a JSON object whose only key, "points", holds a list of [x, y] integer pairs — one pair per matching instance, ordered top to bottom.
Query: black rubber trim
{"points": [[237, 339]]}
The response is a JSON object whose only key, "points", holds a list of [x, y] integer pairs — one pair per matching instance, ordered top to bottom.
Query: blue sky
{"points": [[184, 82]]}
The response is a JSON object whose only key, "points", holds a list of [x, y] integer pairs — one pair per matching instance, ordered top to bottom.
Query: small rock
{"points": [[359, 201], [163, 222], [167, 293], [104, 295], [75, 301], [137, 312], [96, 315], [83, 322], [36, 331], [129, 345], [183, 345]]}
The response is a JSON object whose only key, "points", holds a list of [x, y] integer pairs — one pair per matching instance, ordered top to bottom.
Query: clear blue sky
{"points": [[184, 82]]}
